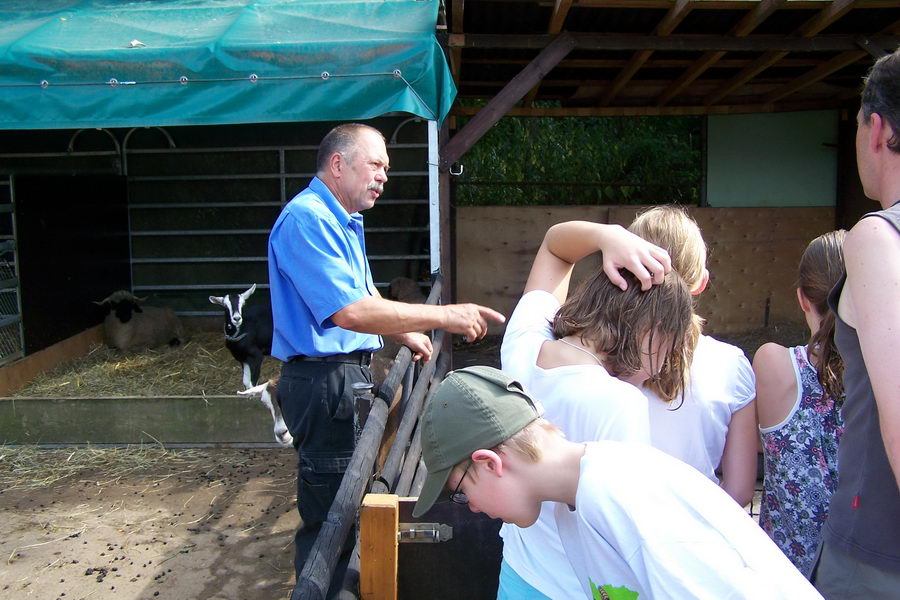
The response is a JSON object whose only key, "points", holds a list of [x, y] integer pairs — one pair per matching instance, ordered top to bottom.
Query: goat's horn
{"points": [[247, 294]]}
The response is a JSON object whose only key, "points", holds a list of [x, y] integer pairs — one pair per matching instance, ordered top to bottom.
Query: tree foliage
{"points": [[584, 160]]}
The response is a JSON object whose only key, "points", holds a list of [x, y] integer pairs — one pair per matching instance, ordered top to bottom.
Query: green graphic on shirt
{"points": [[608, 592]]}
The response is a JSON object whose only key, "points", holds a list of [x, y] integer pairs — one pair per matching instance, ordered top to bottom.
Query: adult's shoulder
{"points": [[308, 210], [871, 231]]}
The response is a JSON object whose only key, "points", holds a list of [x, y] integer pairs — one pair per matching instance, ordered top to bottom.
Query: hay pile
{"points": [[201, 367], [33, 468]]}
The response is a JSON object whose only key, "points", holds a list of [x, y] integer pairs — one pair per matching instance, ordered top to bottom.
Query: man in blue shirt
{"points": [[329, 315]]}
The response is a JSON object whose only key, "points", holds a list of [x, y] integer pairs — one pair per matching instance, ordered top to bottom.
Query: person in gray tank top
{"points": [[860, 553]]}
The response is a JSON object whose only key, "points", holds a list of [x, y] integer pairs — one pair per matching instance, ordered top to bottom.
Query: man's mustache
{"points": [[376, 187]]}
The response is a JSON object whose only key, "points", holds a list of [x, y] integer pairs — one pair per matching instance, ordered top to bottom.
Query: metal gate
{"points": [[11, 341]]}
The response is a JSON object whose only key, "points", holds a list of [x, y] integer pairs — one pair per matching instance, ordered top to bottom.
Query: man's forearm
{"points": [[386, 317]]}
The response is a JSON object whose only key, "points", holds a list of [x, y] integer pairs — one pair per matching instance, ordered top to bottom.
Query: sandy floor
{"points": [[213, 524]]}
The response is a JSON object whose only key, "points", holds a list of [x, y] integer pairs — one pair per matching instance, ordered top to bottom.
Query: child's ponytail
{"points": [[821, 266]]}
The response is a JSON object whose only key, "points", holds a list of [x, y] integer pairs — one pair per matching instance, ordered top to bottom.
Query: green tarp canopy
{"points": [[116, 63]]}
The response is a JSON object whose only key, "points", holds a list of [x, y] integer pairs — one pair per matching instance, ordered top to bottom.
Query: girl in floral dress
{"points": [[798, 399]]}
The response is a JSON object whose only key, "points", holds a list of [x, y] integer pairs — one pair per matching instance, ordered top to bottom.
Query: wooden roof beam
{"points": [[810, 5], [459, 7], [826, 17], [557, 19], [751, 21], [820, 21], [456, 26], [666, 26], [680, 43], [874, 51], [620, 63], [835, 64], [827, 68], [536, 70], [620, 111]]}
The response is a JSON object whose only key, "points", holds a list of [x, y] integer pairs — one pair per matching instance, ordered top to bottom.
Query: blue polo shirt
{"points": [[317, 266]]}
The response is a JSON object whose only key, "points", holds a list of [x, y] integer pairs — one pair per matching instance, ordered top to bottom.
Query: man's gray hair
{"points": [[342, 139]]}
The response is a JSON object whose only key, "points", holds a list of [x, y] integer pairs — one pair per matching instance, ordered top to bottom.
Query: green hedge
{"points": [[584, 160]]}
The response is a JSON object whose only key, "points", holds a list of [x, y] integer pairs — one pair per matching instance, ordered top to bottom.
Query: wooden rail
{"points": [[384, 484]]}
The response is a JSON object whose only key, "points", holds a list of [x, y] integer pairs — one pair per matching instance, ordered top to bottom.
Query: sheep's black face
{"points": [[125, 309]]}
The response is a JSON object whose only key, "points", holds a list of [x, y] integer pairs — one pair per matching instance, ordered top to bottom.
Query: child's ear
{"points": [[702, 285], [805, 306], [489, 460]]}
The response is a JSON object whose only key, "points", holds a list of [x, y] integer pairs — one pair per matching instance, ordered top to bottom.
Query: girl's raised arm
{"points": [[566, 243]]}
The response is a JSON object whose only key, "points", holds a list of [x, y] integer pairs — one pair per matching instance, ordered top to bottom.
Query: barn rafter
{"points": [[670, 56]]}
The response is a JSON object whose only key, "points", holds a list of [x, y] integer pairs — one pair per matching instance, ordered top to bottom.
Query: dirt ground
{"points": [[150, 522], [180, 524]]}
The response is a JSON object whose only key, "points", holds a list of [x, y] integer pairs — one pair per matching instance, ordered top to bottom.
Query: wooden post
{"points": [[378, 524]]}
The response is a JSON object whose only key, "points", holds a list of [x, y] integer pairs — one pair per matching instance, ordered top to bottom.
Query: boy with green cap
{"points": [[634, 522]]}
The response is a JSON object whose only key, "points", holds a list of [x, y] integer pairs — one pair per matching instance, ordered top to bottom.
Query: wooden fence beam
{"points": [[378, 554]]}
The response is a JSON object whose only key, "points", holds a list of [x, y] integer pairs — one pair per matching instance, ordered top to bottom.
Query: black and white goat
{"points": [[130, 325], [248, 332], [268, 395]]}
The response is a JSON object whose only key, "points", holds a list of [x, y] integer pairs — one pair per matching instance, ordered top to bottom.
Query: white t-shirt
{"points": [[721, 383], [587, 404], [659, 528]]}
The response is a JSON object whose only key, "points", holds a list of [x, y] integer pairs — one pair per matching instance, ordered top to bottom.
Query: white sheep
{"points": [[129, 325]]}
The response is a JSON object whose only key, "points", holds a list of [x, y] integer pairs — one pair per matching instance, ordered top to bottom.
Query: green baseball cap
{"points": [[476, 407]]}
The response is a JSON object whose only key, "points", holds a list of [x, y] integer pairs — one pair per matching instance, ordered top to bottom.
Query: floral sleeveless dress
{"points": [[801, 467]]}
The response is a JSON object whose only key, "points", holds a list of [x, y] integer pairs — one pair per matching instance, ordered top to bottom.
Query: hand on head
{"points": [[649, 263]]}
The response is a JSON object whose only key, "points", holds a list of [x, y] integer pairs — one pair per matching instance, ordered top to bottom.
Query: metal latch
{"points": [[424, 533]]}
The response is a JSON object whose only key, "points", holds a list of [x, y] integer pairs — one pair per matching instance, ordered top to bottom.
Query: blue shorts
{"points": [[513, 587]]}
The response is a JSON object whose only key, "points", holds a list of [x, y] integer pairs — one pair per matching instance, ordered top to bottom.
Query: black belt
{"points": [[362, 358]]}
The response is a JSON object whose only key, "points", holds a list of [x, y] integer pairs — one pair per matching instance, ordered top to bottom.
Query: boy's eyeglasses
{"points": [[457, 496]]}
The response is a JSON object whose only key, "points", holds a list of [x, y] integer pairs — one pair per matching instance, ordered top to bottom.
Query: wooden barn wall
{"points": [[753, 256]]}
